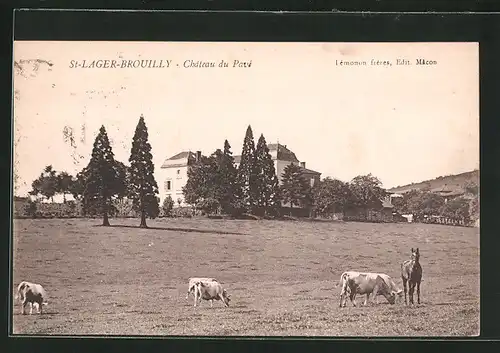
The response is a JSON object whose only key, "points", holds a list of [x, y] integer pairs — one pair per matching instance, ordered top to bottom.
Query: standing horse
{"points": [[411, 273]]}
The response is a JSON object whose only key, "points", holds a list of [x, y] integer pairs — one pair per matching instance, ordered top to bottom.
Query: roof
{"points": [[282, 154], [181, 155], [182, 159], [308, 171]]}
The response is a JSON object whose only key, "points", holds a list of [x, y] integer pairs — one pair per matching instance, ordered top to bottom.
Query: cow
{"points": [[411, 273], [193, 281], [390, 282], [368, 283], [210, 290], [31, 293]]}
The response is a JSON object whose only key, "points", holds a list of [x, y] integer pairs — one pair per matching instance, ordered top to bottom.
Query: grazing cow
{"points": [[411, 273], [193, 281], [390, 282], [354, 283], [210, 290], [31, 293]]}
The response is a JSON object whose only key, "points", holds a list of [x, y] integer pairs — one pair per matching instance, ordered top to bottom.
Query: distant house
{"points": [[283, 157], [172, 175]]}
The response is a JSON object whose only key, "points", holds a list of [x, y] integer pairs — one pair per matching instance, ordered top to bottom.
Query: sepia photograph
{"points": [[245, 189]]}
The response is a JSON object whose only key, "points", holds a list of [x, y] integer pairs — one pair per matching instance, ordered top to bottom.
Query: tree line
{"points": [[105, 179], [216, 185], [423, 204]]}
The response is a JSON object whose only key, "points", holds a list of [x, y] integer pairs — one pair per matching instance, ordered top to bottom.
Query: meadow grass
{"points": [[123, 280]]}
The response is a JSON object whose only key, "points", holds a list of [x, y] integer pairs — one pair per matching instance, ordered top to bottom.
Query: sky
{"points": [[402, 123]]}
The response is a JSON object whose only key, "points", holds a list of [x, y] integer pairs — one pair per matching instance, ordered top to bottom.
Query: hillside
{"points": [[450, 183]]}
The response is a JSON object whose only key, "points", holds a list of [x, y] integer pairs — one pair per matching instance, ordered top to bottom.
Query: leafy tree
{"points": [[247, 175], [100, 179], [64, 181], [47, 184], [266, 184], [202, 185], [77, 186], [471, 187], [143, 189], [294, 189], [367, 191], [330, 196], [402, 204], [425, 204], [168, 205], [457, 208]]}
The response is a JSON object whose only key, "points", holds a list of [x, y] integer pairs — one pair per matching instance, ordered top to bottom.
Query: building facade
{"points": [[172, 175]]}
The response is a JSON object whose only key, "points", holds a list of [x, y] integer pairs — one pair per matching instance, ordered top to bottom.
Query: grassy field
{"points": [[123, 280]]}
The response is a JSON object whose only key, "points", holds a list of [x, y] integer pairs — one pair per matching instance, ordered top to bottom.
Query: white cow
{"points": [[193, 281], [368, 283], [211, 290], [31, 293]]}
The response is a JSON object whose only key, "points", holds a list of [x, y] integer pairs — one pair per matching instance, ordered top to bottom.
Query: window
{"points": [[179, 176], [312, 182], [168, 185]]}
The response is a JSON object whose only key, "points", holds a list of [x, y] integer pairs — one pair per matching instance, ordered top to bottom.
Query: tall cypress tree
{"points": [[247, 171], [227, 177], [101, 180], [267, 186], [143, 189]]}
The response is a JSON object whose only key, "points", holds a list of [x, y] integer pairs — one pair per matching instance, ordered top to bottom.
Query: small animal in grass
{"points": [[211, 290], [33, 294]]}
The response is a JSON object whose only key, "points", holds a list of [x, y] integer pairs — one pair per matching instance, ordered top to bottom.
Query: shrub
{"points": [[168, 205], [30, 209], [185, 212]]}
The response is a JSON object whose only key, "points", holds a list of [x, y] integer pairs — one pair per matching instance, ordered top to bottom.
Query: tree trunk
{"points": [[105, 220], [143, 220]]}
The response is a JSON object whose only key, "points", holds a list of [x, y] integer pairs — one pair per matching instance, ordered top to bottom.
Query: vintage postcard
{"points": [[246, 189]]}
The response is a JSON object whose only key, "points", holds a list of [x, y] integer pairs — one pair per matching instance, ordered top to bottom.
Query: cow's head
{"points": [[397, 294], [391, 298]]}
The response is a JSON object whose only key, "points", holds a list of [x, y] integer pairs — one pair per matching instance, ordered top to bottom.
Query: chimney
{"points": [[198, 156], [303, 164]]}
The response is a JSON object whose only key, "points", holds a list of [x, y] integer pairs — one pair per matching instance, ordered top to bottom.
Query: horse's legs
{"points": [[405, 289], [412, 290], [418, 292]]}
